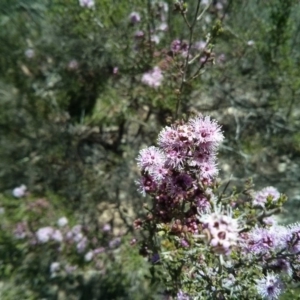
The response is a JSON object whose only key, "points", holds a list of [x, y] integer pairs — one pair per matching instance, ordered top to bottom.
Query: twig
{"points": [[186, 63]]}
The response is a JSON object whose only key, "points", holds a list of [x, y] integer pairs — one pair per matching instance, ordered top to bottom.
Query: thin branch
{"points": [[186, 63]]}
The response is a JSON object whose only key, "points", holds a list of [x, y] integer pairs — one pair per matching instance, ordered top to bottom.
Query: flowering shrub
{"points": [[84, 85], [211, 244], [48, 256]]}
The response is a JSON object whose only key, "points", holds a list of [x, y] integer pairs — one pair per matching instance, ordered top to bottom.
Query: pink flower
{"points": [[205, 2], [87, 3], [219, 6], [134, 17], [163, 27], [139, 34], [155, 39], [200, 45], [176, 46], [179, 47], [29, 53], [221, 58], [73, 64], [115, 70], [153, 78], [207, 130], [169, 138], [201, 156], [149, 157], [175, 158], [208, 170], [158, 172], [171, 172], [146, 185], [20, 191], [261, 197], [202, 203], [63, 221], [270, 221], [106, 227], [76, 229], [223, 230], [20, 231], [46, 234], [57, 236], [78, 237], [264, 240], [114, 243], [184, 243], [82, 244], [99, 250], [89, 256], [54, 267], [70, 269], [269, 287], [182, 296]]}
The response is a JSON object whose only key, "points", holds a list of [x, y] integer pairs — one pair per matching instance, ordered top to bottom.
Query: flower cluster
{"points": [[178, 46], [153, 78], [179, 172], [19, 191], [261, 197], [46, 234], [218, 235], [68, 239], [262, 240]]}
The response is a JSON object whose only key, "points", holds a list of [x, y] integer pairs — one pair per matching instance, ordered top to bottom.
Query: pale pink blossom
{"points": [[87, 3], [134, 17], [163, 27], [155, 39], [200, 45], [29, 53], [73, 64], [153, 78], [207, 130], [150, 156], [20, 191], [261, 197], [63, 221], [223, 230], [20, 231], [46, 234], [57, 236], [264, 240], [81, 245], [89, 256], [54, 267], [269, 287]]}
